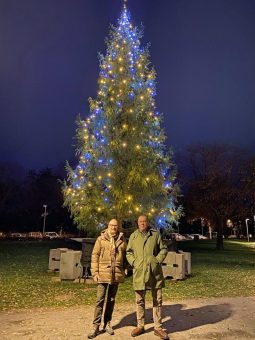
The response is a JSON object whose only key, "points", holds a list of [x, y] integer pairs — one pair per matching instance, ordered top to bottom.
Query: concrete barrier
{"points": [[54, 258], [187, 259], [70, 265], [174, 266]]}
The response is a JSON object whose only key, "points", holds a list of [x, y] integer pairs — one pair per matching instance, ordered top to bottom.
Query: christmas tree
{"points": [[124, 166]]}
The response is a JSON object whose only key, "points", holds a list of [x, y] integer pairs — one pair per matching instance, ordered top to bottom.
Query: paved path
{"points": [[215, 318]]}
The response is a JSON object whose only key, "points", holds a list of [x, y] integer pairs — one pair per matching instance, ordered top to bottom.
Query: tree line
{"points": [[217, 183], [23, 195]]}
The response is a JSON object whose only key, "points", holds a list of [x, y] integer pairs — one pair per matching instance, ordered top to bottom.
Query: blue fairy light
{"points": [[88, 155], [167, 184]]}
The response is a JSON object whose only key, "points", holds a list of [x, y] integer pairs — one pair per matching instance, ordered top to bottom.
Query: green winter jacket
{"points": [[145, 254]]}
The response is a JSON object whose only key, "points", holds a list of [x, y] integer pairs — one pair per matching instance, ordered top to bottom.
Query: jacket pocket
{"points": [[154, 265]]}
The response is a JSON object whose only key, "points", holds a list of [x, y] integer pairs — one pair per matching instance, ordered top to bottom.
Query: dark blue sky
{"points": [[203, 52]]}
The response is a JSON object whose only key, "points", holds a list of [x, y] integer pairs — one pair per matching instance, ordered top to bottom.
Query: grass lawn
{"points": [[25, 282]]}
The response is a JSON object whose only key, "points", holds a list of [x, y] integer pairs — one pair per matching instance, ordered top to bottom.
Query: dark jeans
{"points": [[110, 301]]}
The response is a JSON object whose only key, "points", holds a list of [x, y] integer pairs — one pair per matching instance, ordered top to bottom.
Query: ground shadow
{"points": [[180, 319]]}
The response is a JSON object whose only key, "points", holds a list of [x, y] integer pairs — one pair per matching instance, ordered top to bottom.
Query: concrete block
{"points": [[54, 258], [187, 259], [70, 265], [174, 266]]}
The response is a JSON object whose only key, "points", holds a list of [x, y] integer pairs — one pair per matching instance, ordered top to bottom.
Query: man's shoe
{"points": [[108, 329], [137, 331], [93, 333], [161, 333]]}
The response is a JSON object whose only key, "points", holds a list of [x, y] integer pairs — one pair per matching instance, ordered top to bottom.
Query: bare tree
{"points": [[213, 184]]}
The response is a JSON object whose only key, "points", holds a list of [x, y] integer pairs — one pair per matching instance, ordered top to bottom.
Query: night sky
{"points": [[203, 52]]}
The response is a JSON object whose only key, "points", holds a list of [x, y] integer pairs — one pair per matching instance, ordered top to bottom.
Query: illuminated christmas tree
{"points": [[124, 167]]}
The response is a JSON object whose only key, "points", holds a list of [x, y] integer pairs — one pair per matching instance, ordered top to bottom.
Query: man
{"points": [[145, 253], [107, 267]]}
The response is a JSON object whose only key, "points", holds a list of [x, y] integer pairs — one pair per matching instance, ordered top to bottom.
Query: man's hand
{"points": [[95, 278]]}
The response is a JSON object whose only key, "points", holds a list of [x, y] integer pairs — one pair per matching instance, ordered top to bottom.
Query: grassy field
{"points": [[25, 282]]}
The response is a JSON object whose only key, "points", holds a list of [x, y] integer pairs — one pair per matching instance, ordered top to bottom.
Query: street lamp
{"points": [[44, 217], [202, 225], [254, 226], [247, 229]]}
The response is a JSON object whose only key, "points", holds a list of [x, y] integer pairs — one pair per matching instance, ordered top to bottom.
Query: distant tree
{"points": [[213, 185], [249, 186], [44, 187], [11, 195], [22, 196]]}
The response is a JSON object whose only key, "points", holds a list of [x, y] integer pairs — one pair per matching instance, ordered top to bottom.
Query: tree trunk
{"points": [[210, 231], [220, 243]]}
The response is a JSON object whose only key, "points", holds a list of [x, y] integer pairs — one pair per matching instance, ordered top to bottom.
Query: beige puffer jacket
{"points": [[108, 260]]}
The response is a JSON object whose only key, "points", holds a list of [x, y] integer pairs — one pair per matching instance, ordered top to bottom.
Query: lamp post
{"points": [[44, 217], [203, 224], [254, 226], [247, 229]]}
